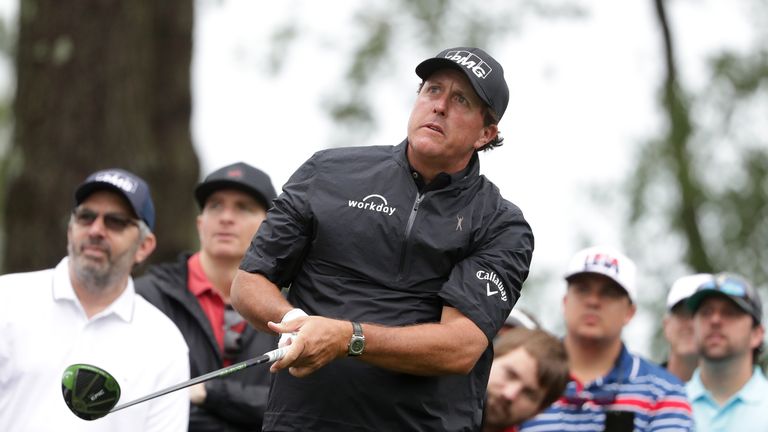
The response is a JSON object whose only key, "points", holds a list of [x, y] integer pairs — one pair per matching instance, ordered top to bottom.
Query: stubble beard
{"points": [[97, 277], [720, 355]]}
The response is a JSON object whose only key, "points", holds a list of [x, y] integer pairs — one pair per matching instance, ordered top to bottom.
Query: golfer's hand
{"points": [[285, 338], [318, 341]]}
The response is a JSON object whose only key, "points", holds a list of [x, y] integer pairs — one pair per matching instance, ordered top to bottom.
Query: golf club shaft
{"points": [[268, 357]]}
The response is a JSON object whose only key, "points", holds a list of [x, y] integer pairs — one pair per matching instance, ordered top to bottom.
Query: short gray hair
{"points": [[144, 230]]}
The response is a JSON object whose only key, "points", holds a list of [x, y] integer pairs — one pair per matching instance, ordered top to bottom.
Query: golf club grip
{"points": [[267, 357]]}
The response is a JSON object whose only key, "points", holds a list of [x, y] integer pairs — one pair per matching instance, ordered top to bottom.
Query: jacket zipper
{"points": [[408, 227]]}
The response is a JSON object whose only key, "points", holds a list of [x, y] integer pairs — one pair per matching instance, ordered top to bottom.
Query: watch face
{"points": [[357, 346]]}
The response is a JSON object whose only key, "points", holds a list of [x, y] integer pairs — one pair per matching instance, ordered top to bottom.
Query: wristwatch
{"points": [[357, 342]]}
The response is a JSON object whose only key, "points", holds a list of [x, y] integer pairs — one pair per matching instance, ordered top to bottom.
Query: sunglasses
{"points": [[113, 221], [727, 285], [600, 399]]}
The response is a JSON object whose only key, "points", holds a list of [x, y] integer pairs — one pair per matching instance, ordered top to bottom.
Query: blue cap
{"points": [[128, 185]]}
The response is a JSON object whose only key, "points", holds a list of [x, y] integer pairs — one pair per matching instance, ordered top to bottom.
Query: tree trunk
{"points": [[101, 83], [686, 214]]}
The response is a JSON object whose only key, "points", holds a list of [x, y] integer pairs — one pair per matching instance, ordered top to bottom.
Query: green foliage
{"points": [[383, 29], [706, 173], [699, 185]]}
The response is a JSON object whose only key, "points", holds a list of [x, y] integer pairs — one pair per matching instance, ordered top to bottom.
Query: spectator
{"points": [[406, 260], [194, 293], [85, 310], [678, 327], [529, 373], [611, 389], [728, 391]]}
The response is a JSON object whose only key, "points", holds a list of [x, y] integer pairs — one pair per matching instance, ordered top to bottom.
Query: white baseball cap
{"points": [[608, 262], [684, 287], [518, 318]]}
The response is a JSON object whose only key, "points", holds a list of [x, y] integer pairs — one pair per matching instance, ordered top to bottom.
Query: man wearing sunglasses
{"points": [[194, 293], [85, 310], [611, 389], [728, 391]]}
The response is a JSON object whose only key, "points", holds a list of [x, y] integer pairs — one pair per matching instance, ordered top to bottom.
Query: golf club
{"points": [[91, 392]]}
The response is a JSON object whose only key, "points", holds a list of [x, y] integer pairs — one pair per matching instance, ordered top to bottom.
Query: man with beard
{"points": [[85, 310], [529, 372], [728, 390]]}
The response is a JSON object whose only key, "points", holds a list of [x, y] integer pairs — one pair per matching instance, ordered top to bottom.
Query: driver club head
{"points": [[89, 391]]}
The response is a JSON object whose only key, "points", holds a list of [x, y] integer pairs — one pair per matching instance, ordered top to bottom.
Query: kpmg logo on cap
{"points": [[470, 61], [117, 179], [601, 263]]}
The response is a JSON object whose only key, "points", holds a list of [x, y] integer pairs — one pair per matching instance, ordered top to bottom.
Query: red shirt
{"points": [[208, 297]]}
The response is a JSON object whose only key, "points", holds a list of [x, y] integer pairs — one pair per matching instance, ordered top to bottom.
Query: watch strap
{"points": [[357, 328], [357, 341]]}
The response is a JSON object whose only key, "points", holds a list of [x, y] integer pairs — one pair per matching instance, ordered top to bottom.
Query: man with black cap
{"points": [[403, 262], [194, 293], [85, 310], [728, 391]]}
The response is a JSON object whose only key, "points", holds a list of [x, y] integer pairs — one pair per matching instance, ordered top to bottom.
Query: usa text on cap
{"points": [[608, 262]]}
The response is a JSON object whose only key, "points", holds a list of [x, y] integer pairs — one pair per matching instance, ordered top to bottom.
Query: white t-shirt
{"points": [[44, 329]]}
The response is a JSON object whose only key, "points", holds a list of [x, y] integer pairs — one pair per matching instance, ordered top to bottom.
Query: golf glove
{"points": [[290, 315]]}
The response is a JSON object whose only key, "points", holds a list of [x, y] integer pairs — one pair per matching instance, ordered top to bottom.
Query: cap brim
{"points": [[426, 68], [85, 190], [204, 190], [569, 276], [695, 300], [675, 305]]}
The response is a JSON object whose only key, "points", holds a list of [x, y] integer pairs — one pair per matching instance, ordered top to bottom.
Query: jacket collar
{"points": [[461, 178]]}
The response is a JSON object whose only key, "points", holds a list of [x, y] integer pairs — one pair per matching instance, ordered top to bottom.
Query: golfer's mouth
{"points": [[434, 127]]}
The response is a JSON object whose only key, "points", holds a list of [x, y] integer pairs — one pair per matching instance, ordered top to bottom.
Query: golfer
{"points": [[403, 262]]}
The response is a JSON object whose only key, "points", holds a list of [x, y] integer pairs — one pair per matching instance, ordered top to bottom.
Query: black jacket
{"points": [[357, 239], [234, 403]]}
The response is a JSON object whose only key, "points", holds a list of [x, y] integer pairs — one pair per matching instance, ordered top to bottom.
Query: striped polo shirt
{"points": [[635, 392]]}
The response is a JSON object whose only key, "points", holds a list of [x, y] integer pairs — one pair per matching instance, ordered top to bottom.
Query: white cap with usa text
{"points": [[606, 261]]}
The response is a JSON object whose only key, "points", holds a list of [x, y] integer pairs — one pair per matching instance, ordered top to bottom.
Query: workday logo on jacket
{"points": [[374, 203]]}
